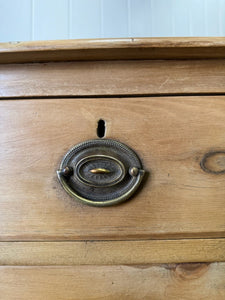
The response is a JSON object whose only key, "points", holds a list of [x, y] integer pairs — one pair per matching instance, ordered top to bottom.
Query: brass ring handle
{"points": [[100, 172], [120, 199]]}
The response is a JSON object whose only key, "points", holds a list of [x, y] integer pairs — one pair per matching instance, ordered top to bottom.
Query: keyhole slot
{"points": [[101, 128]]}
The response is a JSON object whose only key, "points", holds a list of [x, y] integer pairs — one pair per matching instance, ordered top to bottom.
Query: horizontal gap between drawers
{"points": [[112, 96], [108, 240]]}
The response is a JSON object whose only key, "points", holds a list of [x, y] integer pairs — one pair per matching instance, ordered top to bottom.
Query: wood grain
{"points": [[104, 49], [113, 78], [171, 135], [112, 252], [161, 282]]}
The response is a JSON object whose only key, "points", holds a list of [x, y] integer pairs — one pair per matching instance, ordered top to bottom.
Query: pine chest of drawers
{"points": [[163, 98]]}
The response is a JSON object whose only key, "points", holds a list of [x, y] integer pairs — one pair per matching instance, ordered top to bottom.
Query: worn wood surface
{"points": [[103, 49], [113, 78], [171, 135], [112, 252], [65, 254], [155, 282]]}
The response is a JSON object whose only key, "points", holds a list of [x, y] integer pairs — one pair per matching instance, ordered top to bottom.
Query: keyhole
{"points": [[101, 128]]}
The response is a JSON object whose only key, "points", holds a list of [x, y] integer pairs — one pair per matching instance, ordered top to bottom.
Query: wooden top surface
{"points": [[108, 49]]}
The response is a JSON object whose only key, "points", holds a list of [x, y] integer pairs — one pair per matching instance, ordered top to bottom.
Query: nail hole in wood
{"points": [[101, 128]]}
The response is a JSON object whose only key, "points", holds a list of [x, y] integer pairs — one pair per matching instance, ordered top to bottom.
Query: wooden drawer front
{"points": [[143, 77], [171, 135], [188, 281]]}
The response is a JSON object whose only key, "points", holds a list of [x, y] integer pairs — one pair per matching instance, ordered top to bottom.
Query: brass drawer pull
{"points": [[100, 172]]}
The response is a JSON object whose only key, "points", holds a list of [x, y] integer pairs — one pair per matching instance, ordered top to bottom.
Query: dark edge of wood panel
{"points": [[105, 49], [112, 252]]}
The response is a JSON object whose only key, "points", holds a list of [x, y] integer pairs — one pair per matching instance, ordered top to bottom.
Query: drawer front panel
{"points": [[143, 77], [171, 135], [188, 281]]}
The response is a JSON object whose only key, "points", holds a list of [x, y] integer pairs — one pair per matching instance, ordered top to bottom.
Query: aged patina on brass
{"points": [[100, 172]]}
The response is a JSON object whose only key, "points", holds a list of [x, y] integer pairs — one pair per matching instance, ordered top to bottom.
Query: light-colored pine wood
{"points": [[103, 49], [113, 78], [171, 135], [55, 248], [112, 252], [155, 282]]}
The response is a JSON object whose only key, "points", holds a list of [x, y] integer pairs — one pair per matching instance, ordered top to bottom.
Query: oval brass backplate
{"points": [[100, 172]]}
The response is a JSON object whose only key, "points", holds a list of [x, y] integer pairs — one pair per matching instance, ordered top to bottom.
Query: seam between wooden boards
{"points": [[120, 96]]}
